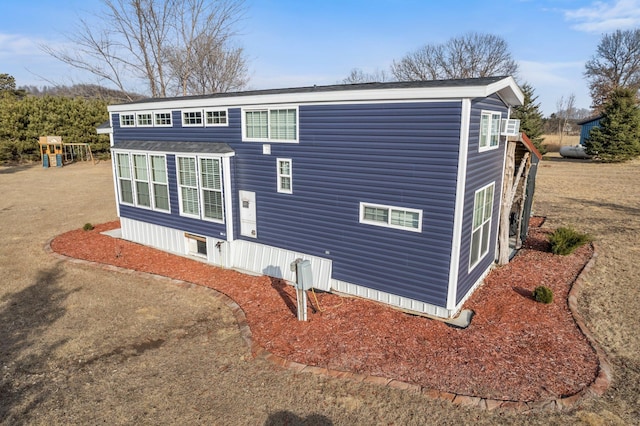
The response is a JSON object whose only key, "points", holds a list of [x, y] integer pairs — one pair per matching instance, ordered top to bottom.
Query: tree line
{"points": [[187, 47], [24, 118]]}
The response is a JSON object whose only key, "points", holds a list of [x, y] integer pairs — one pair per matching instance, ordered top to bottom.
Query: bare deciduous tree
{"points": [[161, 42], [471, 55], [616, 64], [357, 75], [565, 111]]}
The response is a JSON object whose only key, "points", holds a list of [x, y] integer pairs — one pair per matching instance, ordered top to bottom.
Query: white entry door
{"points": [[248, 214]]}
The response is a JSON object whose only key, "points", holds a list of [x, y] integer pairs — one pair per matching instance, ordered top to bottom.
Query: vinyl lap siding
{"points": [[176, 133], [397, 154], [402, 155], [482, 169]]}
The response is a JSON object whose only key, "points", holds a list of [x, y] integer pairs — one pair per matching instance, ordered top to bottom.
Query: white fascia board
{"points": [[507, 85], [508, 90]]}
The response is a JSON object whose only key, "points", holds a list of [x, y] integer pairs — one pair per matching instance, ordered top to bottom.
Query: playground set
{"points": [[56, 153]]}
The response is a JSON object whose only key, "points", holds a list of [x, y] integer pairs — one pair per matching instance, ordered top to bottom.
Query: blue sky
{"points": [[293, 43]]}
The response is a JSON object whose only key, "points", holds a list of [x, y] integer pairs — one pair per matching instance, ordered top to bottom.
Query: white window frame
{"points": [[216, 110], [270, 110], [192, 111], [141, 116], [156, 117], [130, 119], [492, 140], [283, 176], [120, 177], [134, 179], [141, 179], [153, 182], [200, 188], [390, 209], [483, 227], [192, 246]]}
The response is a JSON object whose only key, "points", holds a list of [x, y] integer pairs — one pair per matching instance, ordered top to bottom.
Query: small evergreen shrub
{"points": [[87, 227], [565, 240], [543, 294]]}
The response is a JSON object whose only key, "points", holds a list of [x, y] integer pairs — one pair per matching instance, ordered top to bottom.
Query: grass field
{"points": [[553, 144], [83, 345]]}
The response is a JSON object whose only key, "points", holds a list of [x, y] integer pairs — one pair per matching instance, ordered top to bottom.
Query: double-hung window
{"points": [[276, 125], [489, 130], [285, 175], [141, 177], [124, 178], [142, 180], [159, 182], [188, 182], [200, 183], [211, 188], [391, 217], [481, 232]]}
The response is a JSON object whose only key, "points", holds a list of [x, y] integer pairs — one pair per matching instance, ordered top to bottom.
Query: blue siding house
{"points": [[586, 126], [391, 190]]}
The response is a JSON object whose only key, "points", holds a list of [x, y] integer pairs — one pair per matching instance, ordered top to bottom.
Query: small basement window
{"points": [[196, 245]]}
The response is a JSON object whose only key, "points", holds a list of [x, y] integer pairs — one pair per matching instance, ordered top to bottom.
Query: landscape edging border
{"points": [[596, 388]]}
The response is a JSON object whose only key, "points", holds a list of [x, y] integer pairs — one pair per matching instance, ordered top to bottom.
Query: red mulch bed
{"points": [[514, 349]]}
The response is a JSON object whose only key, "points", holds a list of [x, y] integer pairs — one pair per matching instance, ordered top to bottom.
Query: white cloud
{"points": [[603, 16], [16, 45], [551, 80]]}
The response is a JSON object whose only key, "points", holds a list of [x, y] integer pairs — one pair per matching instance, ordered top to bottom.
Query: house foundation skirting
{"points": [[275, 262]]}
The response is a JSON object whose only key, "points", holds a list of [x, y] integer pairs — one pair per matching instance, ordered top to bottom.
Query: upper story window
{"points": [[192, 117], [216, 117], [162, 118], [144, 119], [127, 120], [275, 125], [489, 130], [285, 175], [391, 217], [481, 232]]}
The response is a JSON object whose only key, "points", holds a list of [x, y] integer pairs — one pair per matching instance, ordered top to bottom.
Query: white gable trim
{"points": [[506, 88]]}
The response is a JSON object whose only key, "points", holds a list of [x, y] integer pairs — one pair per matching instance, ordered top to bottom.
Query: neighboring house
{"points": [[586, 126], [391, 190]]}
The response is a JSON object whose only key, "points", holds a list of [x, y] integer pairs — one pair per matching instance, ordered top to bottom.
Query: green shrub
{"points": [[87, 227], [565, 240], [543, 294]]}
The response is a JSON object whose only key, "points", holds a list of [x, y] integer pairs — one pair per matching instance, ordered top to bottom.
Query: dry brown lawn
{"points": [[553, 142], [80, 345]]}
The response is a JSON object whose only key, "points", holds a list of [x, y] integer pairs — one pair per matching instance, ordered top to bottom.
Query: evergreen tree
{"points": [[531, 120], [618, 137]]}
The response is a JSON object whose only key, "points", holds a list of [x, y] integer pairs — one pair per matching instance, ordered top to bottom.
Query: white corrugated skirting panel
{"points": [[157, 236], [276, 262], [390, 299]]}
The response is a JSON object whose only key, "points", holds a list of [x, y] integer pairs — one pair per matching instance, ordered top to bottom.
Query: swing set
{"points": [[56, 153]]}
